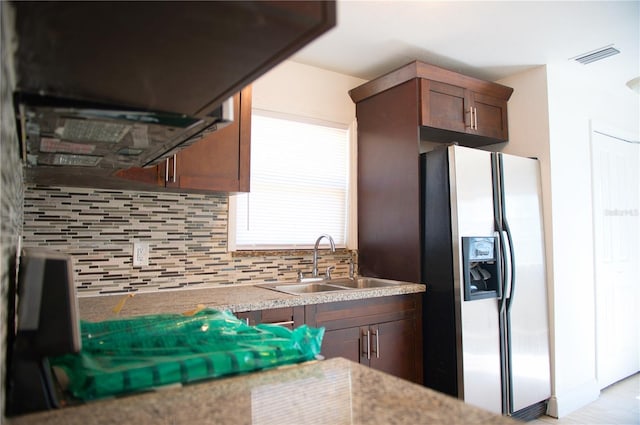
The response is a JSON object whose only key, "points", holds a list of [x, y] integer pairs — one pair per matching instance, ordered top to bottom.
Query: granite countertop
{"points": [[235, 298], [334, 391]]}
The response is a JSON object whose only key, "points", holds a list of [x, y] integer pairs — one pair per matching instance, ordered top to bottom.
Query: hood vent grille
{"points": [[596, 55]]}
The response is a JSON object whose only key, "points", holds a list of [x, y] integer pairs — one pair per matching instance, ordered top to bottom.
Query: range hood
{"points": [[112, 85], [57, 132]]}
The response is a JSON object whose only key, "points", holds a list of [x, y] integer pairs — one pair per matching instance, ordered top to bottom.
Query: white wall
{"points": [[306, 91], [576, 95]]}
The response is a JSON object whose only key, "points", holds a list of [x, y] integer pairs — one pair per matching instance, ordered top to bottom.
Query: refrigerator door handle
{"points": [[496, 177], [503, 226], [502, 261], [512, 265]]}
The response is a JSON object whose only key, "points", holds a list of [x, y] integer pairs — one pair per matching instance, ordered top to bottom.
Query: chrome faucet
{"points": [[314, 272]]}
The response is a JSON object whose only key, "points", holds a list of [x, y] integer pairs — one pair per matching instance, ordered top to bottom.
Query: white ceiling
{"points": [[484, 39]]}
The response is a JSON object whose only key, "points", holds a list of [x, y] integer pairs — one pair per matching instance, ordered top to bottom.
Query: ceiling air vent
{"points": [[596, 55]]}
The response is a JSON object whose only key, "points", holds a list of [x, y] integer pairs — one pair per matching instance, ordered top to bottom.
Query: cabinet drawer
{"points": [[345, 314], [289, 317]]}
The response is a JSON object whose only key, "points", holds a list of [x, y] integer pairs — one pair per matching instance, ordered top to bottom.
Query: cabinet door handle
{"points": [[472, 111], [471, 117], [475, 118], [175, 167], [166, 170], [285, 323], [376, 332], [367, 335]]}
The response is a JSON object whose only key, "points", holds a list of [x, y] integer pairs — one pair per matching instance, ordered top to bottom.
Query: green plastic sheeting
{"points": [[125, 355]]}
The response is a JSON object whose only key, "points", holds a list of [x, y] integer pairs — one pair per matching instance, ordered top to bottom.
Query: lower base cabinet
{"points": [[383, 333]]}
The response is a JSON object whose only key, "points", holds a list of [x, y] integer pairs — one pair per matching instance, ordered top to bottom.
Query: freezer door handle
{"points": [[496, 177], [502, 226], [508, 263]]}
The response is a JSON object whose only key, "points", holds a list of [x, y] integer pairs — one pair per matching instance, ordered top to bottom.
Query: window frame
{"points": [[351, 201]]}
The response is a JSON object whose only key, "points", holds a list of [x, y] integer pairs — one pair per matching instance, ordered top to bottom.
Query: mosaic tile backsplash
{"points": [[186, 233]]}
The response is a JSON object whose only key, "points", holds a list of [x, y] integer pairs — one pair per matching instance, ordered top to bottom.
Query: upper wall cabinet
{"points": [[105, 86], [449, 107], [452, 107], [218, 162]]}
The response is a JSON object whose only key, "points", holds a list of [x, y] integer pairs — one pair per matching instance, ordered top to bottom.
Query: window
{"points": [[299, 185]]}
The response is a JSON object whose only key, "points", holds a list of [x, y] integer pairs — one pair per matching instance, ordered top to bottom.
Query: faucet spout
{"points": [[314, 272]]}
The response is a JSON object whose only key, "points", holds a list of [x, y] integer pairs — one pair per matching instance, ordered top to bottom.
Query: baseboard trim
{"points": [[568, 401]]}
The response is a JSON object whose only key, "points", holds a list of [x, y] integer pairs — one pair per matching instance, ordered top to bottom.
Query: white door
{"points": [[616, 217]]}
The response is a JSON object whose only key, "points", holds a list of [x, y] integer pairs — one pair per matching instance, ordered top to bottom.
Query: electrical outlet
{"points": [[140, 254]]}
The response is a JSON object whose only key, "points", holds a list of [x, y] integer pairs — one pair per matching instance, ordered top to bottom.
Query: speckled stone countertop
{"points": [[234, 298], [334, 391]]}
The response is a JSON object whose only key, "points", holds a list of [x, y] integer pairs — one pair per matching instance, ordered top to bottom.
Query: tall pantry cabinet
{"points": [[395, 112]]}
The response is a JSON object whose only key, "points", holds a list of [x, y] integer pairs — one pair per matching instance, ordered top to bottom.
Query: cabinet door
{"points": [[443, 106], [448, 107], [490, 116], [220, 161], [217, 163], [153, 176], [384, 333], [342, 343], [393, 349]]}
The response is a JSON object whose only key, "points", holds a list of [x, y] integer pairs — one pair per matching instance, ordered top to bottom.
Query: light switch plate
{"points": [[140, 254]]}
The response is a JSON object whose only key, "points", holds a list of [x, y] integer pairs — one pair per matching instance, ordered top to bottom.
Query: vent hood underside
{"points": [[112, 85], [56, 133]]}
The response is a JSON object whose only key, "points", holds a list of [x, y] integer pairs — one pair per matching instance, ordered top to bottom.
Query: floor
{"points": [[618, 404]]}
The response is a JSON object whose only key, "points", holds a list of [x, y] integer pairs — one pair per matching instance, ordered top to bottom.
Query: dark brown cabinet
{"points": [[182, 59], [449, 107], [396, 113], [219, 162], [289, 317], [383, 333], [392, 348]]}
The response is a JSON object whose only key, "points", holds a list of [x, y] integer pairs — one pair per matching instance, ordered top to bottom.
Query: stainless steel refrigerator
{"points": [[485, 314]]}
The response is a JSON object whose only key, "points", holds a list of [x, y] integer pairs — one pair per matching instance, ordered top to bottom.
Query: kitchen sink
{"points": [[364, 283], [330, 285], [302, 288]]}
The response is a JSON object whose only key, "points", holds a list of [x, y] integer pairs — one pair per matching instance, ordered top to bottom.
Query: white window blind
{"points": [[299, 185]]}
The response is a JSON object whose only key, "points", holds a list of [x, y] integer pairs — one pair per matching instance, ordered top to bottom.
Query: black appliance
{"points": [[44, 324]]}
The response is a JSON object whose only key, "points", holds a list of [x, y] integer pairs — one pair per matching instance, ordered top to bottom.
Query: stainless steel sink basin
{"points": [[365, 283], [330, 285], [302, 288]]}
